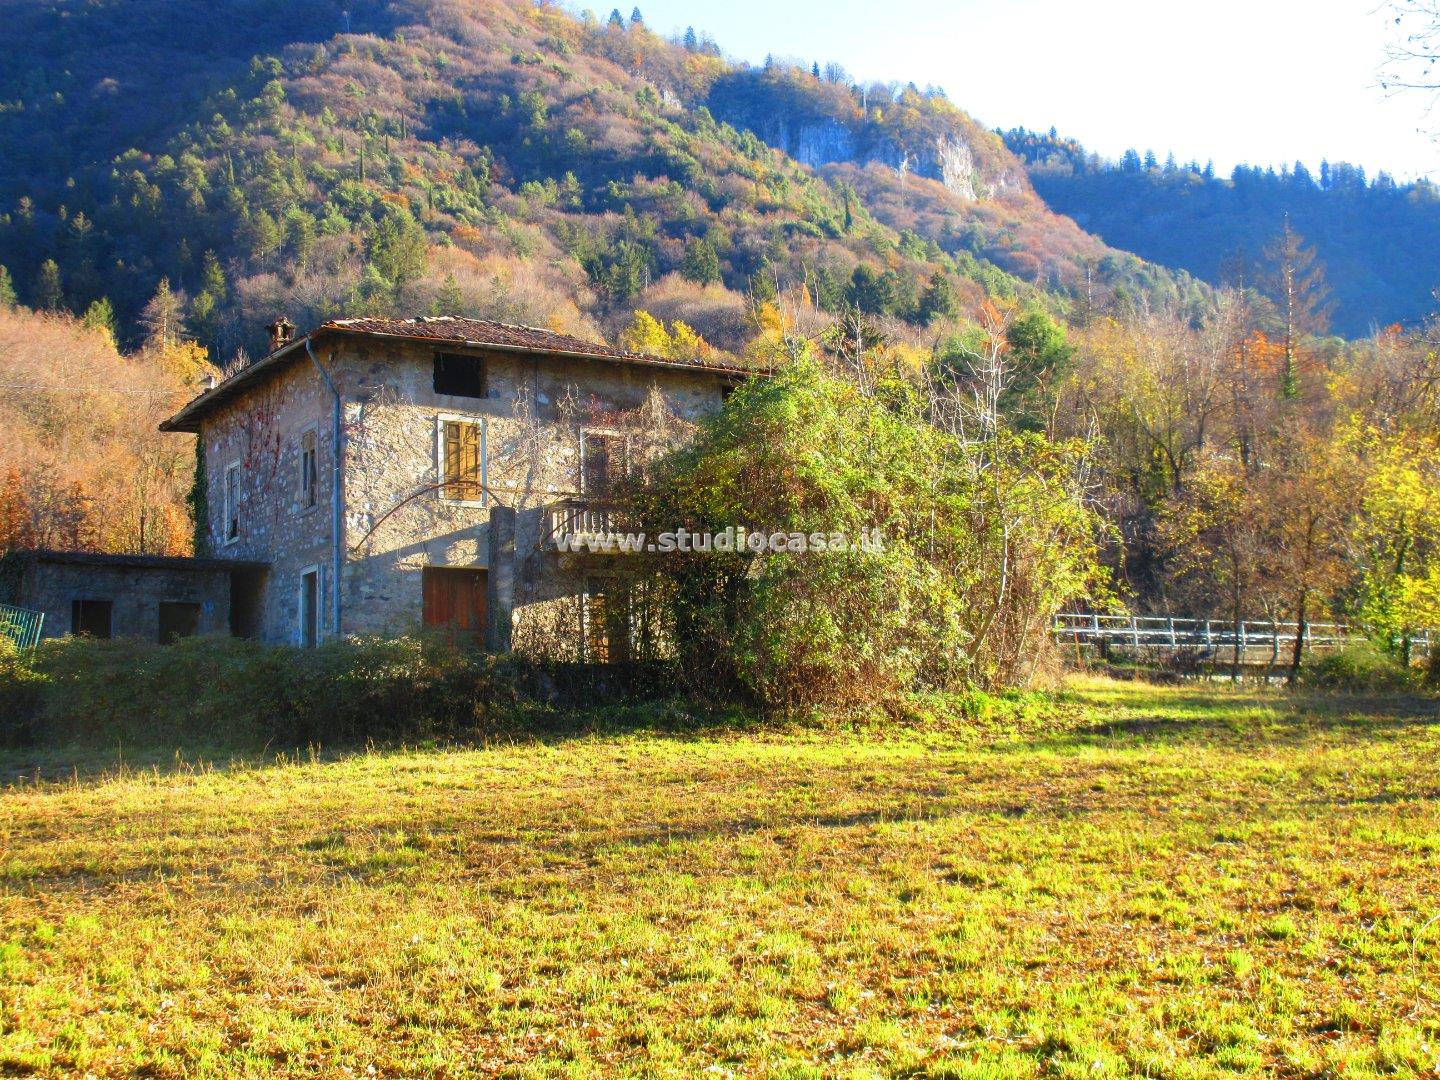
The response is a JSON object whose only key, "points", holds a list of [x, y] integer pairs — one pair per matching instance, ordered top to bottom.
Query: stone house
{"points": [[376, 476]]}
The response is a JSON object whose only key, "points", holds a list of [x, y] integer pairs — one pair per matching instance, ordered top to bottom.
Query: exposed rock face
{"points": [[949, 158]]}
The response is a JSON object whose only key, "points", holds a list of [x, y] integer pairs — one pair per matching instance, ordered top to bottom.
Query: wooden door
{"points": [[455, 603]]}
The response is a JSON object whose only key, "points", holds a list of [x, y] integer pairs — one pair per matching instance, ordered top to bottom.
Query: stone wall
{"points": [[534, 413], [261, 431], [396, 522], [134, 591]]}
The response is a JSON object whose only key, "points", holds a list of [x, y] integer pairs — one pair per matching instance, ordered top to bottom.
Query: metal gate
{"points": [[20, 626]]}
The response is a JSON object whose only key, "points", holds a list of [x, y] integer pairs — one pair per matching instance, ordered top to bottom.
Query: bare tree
{"points": [[1414, 48]]}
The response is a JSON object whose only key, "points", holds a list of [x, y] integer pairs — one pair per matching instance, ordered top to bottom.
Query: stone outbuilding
{"points": [[149, 597]]}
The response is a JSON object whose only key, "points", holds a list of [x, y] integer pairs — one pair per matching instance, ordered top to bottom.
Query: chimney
{"points": [[282, 332]]}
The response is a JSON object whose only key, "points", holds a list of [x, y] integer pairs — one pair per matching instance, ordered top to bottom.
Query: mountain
{"points": [[496, 158], [1376, 239]]}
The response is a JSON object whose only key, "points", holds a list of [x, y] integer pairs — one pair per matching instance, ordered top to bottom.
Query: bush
{"points": [[981, 543], [1362, 667], [223, 692]]}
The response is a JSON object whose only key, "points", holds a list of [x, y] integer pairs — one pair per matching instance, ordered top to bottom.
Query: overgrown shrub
{"points": [[981, 543], [1362, 667], [222, 692]]}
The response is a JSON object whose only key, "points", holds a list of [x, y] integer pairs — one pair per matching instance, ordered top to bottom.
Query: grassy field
{"points": [[1168, 882]]}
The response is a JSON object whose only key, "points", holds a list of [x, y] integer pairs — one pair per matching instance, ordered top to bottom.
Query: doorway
{"points": [[455, 603]]}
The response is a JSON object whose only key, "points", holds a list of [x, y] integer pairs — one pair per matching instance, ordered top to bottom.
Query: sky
{"points": [[1265, 82]]}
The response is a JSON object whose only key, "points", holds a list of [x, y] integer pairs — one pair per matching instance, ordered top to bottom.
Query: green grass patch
{"points": [[1129, 881]]}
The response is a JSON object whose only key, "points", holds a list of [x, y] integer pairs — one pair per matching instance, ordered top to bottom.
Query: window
{"points": [[459, 376], [462, 461], [603, 463], [309, 469], [230, 526], [310, 608], [92, 618], [178, 620]]}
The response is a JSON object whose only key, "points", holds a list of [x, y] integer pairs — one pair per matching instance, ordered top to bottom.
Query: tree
{"points": [[636, 19], [616, 20], [692, 43], [1413, 51], [397, 246], [701, 263], [1298, 288], [49, 291], [871, 292], [8, 299], [450, 300], [938, 301], [100, 315], [162, 318], [1039, 356], [1214, 535], [980, 543]]}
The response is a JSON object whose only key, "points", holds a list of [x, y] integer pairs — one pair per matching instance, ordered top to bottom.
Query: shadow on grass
{"points": [[1226, 716]]}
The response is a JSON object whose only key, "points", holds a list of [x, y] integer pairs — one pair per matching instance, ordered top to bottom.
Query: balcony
{"points": [[586, 526]]}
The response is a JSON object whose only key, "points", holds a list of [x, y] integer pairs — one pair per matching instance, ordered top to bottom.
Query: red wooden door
{"points": [[455, 603]]}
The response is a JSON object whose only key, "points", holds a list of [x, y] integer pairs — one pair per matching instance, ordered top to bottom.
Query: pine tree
{"points": [[636, 19], [616, 21], [692, 43], [701, 263], [1298, 287], [49, 292], [8, 299], [450, 300], [938, 300], [100, 315], [162, 317]]}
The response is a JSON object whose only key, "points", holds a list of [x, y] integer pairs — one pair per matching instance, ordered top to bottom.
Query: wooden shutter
{"points": [[464, 449]]}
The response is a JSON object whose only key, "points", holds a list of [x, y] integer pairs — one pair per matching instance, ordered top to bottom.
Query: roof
{"points": [[441, 330], [136, 562]]}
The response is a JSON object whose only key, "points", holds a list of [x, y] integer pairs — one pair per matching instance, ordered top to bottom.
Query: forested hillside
{"points": [[495, 158], [1376, 239]]}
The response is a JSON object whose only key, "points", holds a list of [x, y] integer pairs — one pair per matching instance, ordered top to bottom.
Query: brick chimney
{"points": [[282, 332]]}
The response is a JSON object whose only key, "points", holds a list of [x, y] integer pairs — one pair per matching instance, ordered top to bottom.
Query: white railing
{"points": [[580, 518], [1163, 632]]}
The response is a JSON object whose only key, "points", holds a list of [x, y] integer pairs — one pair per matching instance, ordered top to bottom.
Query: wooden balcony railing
{"points": [[582, 517]]}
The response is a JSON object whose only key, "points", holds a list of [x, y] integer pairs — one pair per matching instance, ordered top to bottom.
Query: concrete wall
{"points": [[395, 523], [135, 592]]}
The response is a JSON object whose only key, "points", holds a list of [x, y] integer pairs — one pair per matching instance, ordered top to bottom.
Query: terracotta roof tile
{"points": [[443, 329], [460, 331]]}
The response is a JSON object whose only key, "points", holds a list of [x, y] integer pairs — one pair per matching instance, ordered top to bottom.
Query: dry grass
{"points": [[1178, 883]]}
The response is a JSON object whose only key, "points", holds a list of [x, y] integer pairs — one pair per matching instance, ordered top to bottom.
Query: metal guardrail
{"points": [[20, 626], [1162, 632]]}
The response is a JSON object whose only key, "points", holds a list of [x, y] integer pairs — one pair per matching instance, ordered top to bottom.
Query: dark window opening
{"points": [[459, 376], [603, 463], [309, 469], [247, 595], [310, 609], [92, 618], [178, 620]]}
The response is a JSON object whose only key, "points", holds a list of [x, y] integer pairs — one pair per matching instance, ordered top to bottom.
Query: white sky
{"points": [[1260, 81]]}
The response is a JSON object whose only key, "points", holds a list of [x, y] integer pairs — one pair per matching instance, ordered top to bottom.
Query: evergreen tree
{"points": [[636, 19], [617, 21], [692, 43], [398, 247], [701, 263], [49, 291], [871, 292], [8, 299], [449, 300], [938, 301], [100, 315], [162, 319]]}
